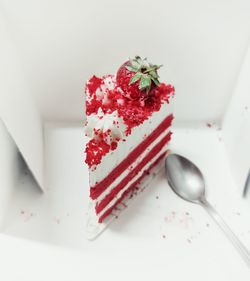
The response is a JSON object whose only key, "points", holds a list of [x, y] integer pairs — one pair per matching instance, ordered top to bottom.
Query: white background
{"points": [[62, 42]]}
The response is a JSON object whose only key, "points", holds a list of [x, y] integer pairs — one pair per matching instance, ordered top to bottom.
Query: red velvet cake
{"points": [[128, 120]]}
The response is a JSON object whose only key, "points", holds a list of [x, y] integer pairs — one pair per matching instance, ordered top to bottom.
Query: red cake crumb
{"points": [[94, 83], [133, 113], [113, 145], [95, 151], [124, 205]]}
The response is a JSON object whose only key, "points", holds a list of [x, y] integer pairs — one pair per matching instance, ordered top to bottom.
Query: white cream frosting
{"points": [[109, 123]]}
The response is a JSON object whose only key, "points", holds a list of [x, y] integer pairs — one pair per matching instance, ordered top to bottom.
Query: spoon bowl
{"points": [[185, 178], [187, 181]]}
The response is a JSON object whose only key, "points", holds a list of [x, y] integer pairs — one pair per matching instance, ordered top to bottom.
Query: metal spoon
{"points": [[187, 181]]}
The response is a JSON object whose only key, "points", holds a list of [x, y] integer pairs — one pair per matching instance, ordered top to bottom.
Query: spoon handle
{"points": [[228, 232]]}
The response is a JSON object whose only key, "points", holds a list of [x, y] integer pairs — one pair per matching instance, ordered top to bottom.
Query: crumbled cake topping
{"points": [[112, 113], [111, 116]]}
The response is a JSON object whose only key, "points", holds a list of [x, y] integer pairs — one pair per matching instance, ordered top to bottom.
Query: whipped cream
{"points": [[110, 124]]}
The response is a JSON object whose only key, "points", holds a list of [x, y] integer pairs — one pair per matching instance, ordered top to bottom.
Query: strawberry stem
{"points": [[153, 68], [145, 73]]}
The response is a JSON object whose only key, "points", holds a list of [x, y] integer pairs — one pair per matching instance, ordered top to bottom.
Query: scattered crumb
{"points": [[246, 107], [214, 125], [130, 168], [142, 189], [157, 197], [124, 205], [26, 215], [116, 217], [57, 220], [183, 220], [207, 225], [164, 236], [189, 241]]}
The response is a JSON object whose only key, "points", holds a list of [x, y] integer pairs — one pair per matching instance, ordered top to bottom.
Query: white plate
{"points": [[158, 228]]}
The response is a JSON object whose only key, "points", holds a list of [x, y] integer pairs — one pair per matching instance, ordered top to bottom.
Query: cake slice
{"points": [[128, 126]]}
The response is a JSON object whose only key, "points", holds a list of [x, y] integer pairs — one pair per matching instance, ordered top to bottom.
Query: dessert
{"points": [[128, 121]]}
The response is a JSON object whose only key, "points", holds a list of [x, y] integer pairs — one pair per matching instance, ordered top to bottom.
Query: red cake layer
{"points": [[150, 155], [133, 185], [100, 187]]}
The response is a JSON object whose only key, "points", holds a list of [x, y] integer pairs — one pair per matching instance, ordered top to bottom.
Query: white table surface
{"points": [[159, 237]]}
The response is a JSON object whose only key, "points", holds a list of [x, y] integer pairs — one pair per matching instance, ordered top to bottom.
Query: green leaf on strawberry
{"points": [[131, 68], [145, 73], [135, 78], [156, 81], [145, 83]]}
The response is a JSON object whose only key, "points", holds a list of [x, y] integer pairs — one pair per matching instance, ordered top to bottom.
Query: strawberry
{"points": [[137, 78]]}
